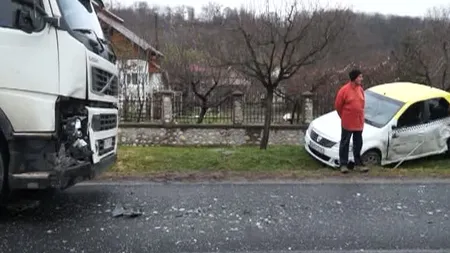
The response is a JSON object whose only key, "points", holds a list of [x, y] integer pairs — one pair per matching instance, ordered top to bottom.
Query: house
{"points": [[125, 42], [141, 76]]}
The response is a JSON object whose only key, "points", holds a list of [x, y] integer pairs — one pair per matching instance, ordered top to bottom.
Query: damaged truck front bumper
{"points": [[34, 167], [61, 179]]}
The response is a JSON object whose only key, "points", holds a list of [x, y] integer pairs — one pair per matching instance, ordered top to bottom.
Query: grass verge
{"points": [[278, 162]]}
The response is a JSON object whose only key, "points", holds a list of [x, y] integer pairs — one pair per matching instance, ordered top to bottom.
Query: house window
{"points": [[134, 78], [128, 79]]}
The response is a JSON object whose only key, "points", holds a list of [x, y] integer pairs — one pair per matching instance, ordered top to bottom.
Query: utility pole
{"points": [[156, 32]]}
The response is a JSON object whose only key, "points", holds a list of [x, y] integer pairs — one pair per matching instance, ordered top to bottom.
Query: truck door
{"points": [[28, 66]]}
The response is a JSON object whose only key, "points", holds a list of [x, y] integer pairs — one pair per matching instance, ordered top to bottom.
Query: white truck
{"points": [[58, 94]]}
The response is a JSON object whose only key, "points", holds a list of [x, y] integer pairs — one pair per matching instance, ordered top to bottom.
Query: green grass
{"points": [[277, 161]]}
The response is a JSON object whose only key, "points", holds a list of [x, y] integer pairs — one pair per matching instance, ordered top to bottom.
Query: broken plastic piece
{"points": [[119, 210]]}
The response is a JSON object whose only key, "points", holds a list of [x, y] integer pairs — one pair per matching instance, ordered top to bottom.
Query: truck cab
{"points": [[58, 94]]}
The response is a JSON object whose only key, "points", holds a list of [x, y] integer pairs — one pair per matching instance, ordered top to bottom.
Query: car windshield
{"points": [[80, 14], [380, 109]]}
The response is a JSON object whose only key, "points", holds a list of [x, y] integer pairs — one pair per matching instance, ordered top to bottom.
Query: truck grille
{"points": [[100, 79], [102, 122], [321, 140]]}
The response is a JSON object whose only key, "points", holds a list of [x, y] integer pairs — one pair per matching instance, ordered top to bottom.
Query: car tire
{"points": [[371, 158]]}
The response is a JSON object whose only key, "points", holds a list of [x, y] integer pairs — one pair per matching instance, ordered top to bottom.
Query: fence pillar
{"points": [[166, 106], [308, 107], [238, 110]]}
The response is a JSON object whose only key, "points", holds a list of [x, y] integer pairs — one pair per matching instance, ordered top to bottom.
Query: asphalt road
{"points": [[270, 217]]}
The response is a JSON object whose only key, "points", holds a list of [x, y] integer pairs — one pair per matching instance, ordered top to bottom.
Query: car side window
{"points": [[438, 108], [413, 116]]}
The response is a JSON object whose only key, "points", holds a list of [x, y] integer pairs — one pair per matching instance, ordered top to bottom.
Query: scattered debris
{"points": [[23, 205], [119, 210]]}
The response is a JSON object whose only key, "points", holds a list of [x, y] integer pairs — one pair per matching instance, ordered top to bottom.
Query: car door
{"points": [[28, 66], [436, 129], [406, 139]]}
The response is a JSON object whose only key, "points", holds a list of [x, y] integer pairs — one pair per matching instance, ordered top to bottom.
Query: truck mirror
{"points": [[34, 17], [24, 21], [53, 21]]}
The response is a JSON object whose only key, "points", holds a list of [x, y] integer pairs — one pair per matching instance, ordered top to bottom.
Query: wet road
{"points": [[234, 218]]}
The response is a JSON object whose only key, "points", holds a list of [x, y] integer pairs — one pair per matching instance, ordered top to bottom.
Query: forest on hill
{"points": [[370, 40]]}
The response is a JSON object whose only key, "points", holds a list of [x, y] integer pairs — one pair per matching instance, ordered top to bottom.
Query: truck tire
{"points": [[448, 147], [4, 189]]}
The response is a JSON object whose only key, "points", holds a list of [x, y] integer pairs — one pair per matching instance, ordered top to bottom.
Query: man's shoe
{"points": [[351, 166], [344, 169]]}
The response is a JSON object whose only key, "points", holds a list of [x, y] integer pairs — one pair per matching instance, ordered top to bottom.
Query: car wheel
{"points": [[371, 158]]}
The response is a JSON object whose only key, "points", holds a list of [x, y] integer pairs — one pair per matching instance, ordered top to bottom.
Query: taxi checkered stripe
{"points": [[424, 125]]}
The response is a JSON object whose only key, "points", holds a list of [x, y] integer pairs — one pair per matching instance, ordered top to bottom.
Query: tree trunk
{"points": [[203, 111], [294, 111], [267, 119]]}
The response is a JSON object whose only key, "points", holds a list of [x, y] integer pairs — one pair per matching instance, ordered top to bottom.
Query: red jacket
{"points": [[349, 105]]}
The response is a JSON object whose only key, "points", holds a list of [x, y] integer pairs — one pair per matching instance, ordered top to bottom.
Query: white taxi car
{"points": [[403, 121]]}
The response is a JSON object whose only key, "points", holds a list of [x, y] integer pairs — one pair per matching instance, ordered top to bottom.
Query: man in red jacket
{"points": [[349, 105]]}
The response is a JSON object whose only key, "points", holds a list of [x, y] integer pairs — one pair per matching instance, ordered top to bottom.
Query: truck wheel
{"points": [[448, 147], [371, 158], [4, 189]]}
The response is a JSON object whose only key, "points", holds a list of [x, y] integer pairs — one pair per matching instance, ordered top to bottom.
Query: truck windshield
{"points": [[80, 14]]}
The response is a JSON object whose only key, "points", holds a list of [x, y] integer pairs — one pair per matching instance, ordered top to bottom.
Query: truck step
{"points": [[32, 175], [31, 180]]}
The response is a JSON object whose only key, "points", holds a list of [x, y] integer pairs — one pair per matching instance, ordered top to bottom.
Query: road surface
{"points": [[256, 217]]}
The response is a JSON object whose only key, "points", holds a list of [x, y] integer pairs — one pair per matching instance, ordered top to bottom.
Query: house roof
{"points": [[107, 12], [117, 23]]}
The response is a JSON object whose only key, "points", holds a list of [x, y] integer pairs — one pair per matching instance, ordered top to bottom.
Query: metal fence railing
{"points": [[193, 111]]}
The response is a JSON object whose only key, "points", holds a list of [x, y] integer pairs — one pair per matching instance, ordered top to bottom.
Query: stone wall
{"points": [[167, 132], [206, 135]]}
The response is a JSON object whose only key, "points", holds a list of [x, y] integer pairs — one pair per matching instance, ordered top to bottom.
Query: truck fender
{"points": [[5, 126]]}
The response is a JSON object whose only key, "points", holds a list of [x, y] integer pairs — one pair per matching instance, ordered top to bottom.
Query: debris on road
{"points": [[23, 205], [119, 211]]}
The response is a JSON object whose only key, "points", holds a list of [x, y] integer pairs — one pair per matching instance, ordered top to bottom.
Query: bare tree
{"points": [[273, 46], [424, 55], [194, 63]]}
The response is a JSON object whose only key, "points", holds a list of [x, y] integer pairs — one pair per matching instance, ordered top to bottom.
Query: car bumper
{"points": [[328, 156], [61, 179]]}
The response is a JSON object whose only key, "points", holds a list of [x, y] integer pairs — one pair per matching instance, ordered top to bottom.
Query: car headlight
{"points": [[309, 129]]}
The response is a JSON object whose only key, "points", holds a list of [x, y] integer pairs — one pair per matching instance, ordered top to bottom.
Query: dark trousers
{"points": [[345, 143]]}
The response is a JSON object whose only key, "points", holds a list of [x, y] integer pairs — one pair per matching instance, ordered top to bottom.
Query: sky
{"points": [[395, 7]]}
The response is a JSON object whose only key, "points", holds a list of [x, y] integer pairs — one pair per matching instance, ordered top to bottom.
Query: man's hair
{"points": [[354, 74]]}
